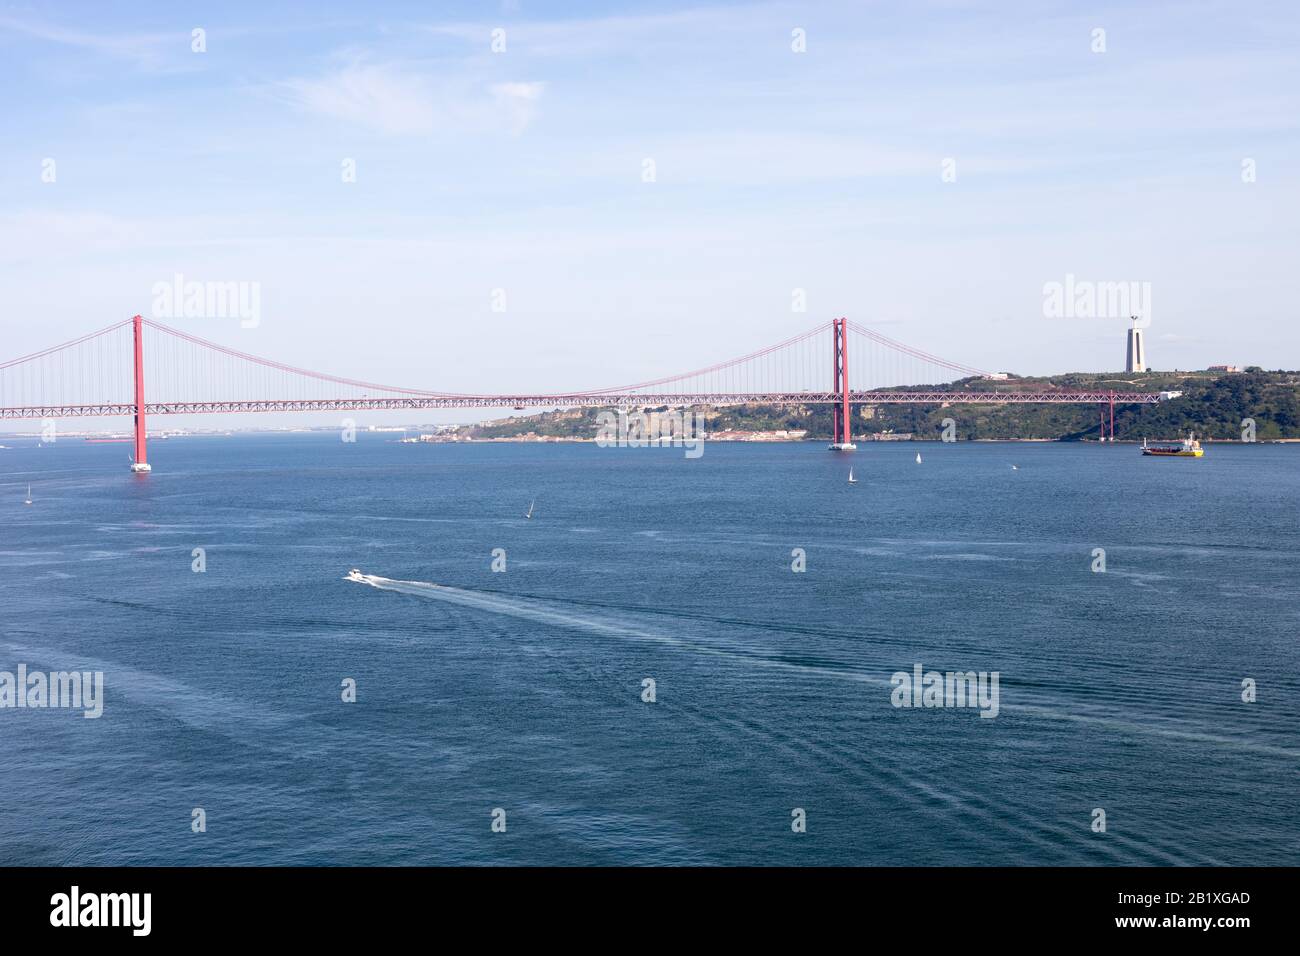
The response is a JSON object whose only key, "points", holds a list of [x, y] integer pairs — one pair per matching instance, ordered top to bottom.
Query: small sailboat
{"points": [[918, 457], [1015, 467], [852, 480], [29, 495], [530, 508]]}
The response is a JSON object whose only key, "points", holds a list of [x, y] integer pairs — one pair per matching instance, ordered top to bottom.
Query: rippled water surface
{"points": [[522, 690]]}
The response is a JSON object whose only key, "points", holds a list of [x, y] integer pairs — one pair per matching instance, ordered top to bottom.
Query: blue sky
{"points": [[775, 170]]}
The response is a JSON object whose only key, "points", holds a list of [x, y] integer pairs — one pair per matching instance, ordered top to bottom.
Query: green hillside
{"points": [[1213, 405]]}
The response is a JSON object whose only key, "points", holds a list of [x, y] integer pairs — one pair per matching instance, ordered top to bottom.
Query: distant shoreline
{"points": [[81, 439]]}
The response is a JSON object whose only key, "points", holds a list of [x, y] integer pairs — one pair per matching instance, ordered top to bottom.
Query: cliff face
{"points": [[1214, 405]]}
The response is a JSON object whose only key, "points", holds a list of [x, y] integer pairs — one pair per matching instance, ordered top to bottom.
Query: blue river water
{"points": [[522, 691]]}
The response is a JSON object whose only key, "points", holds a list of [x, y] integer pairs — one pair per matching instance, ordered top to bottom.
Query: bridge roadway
{"points": [[588, 400]]}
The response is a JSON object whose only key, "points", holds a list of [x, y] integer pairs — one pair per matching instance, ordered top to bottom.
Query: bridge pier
{"points": [[1108, 404], [140, 461]]}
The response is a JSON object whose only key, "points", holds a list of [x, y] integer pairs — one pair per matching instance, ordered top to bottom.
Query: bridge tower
{"points": [[841, 419], [140, 462]]}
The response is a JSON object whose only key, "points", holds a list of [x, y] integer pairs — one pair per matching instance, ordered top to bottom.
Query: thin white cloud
{"points": [[607, 35], [142, 48], [381, 97], [395, 100], [517, 102]]}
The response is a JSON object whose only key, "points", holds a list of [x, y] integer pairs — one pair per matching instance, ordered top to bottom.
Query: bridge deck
{"points": [[890, 397]]}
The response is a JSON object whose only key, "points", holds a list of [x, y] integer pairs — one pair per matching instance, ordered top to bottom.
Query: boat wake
{"points": [[529, 610], [622, 626], [246, 722], [978, 816]]}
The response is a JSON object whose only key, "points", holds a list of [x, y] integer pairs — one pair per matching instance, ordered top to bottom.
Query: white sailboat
{"points": [[918, 457], [852, 480], [29, 495], [530, 508]]}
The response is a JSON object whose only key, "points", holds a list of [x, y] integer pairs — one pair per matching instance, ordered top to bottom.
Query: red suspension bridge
{"points": [[104, 373]]}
